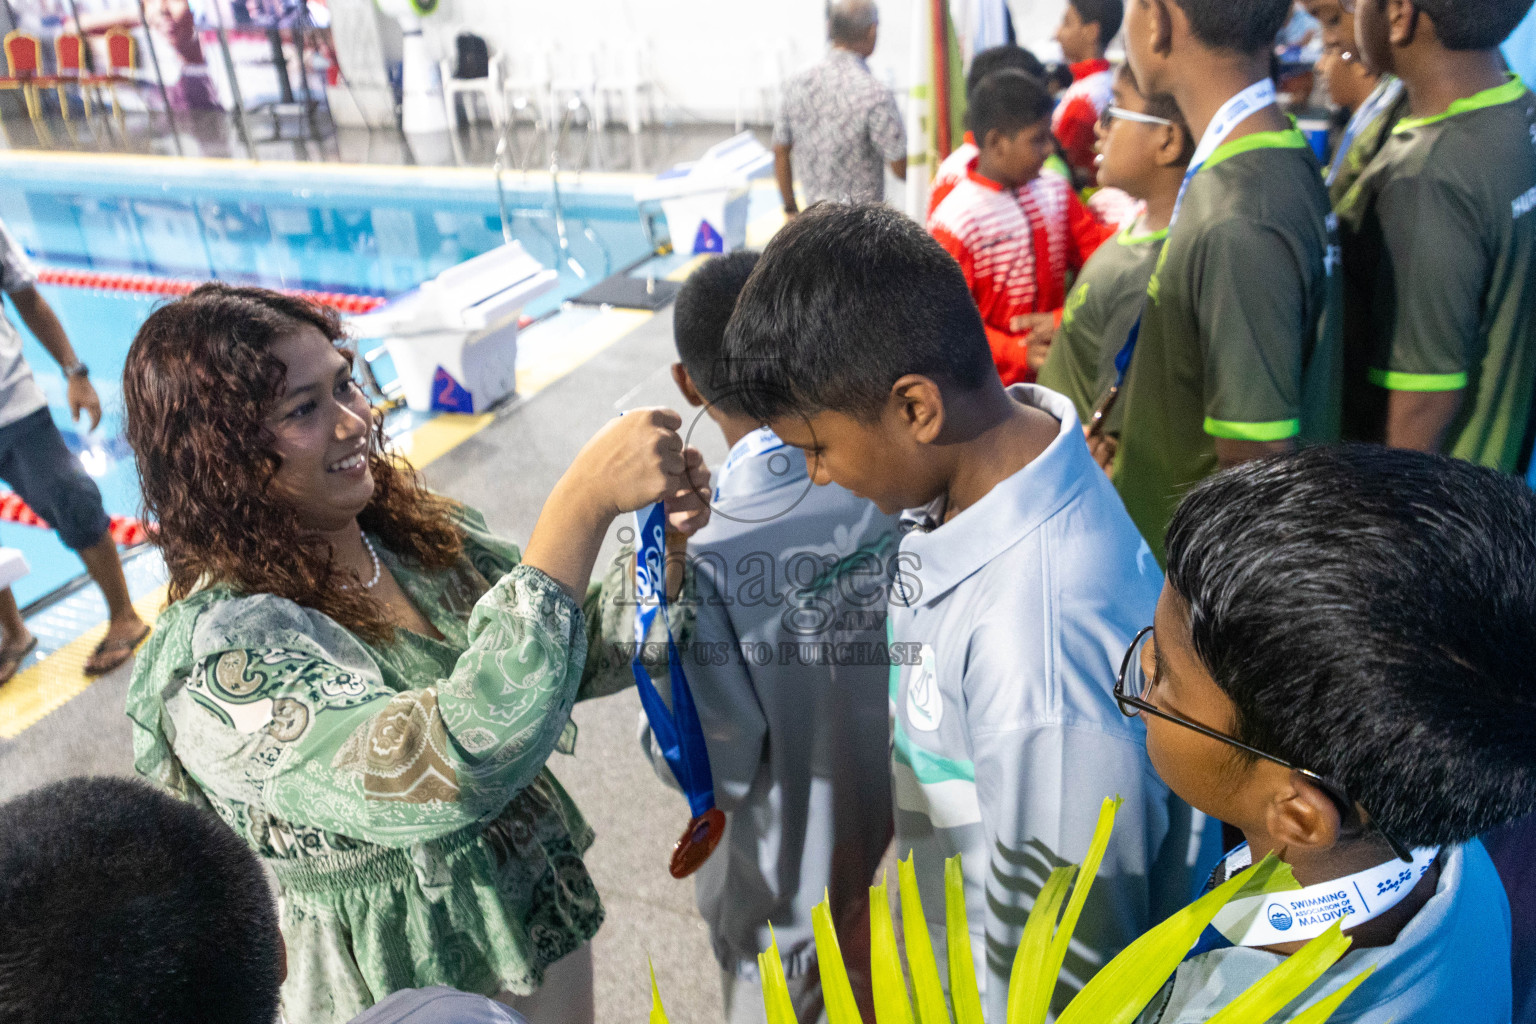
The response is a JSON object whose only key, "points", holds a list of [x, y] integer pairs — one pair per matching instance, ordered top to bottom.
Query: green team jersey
{"points": [[1351, 163], [1440, 274], [1097, 319], [1240, 334]]}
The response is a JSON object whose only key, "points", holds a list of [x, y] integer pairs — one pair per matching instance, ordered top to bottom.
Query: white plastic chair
{"points": [[626, 75], [490, 88]]}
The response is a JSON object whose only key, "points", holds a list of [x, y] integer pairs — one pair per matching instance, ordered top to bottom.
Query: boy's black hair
{"points": [[1107, 14], [1474, 24], [1245, 26], [1000, 58], [1006, 101], [844, 302], [699, 316], [1371, 612], [119, 903]]}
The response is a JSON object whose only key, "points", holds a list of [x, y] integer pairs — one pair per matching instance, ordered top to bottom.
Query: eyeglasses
{"points": [[1113, 114], [1131, 693]]}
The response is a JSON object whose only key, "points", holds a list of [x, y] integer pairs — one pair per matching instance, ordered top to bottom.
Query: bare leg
{"points": [[106, 569], [13, 631], [16, 642]]}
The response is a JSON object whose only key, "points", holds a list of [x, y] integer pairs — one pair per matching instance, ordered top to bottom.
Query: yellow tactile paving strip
{"points": [[42, 688]]}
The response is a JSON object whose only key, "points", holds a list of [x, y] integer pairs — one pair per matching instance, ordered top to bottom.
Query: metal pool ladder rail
{"points": [[503, 151]]}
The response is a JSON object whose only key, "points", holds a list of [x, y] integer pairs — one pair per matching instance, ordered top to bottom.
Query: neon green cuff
{"points": [[1394, 381], [1275, 430]]}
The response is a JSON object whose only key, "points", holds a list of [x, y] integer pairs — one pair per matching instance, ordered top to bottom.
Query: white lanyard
{"points": [[1384, 96], [1235, 111], [760, 442], [1301, 914]]}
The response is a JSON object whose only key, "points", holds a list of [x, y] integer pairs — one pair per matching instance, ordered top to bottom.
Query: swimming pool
{"points": [[374, 231]]}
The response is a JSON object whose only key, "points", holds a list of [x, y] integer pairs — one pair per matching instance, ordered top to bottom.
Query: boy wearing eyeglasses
{"points": [[1145, 147], [1015, 232], [1238, 350], [1018, 584], [1340, 667]]}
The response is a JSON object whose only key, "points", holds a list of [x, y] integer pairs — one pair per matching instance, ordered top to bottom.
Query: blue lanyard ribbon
{"points": [[1385, 94], [1236, 110], [677, 729]]}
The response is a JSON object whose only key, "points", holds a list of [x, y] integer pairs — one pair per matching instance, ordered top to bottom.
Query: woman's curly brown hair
{"points": [[198, 385]]}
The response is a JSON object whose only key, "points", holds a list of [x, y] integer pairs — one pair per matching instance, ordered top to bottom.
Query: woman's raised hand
{"points": [[634, 461]]}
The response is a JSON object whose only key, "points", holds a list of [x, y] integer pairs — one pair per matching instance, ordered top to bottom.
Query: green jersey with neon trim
{"points": [[1440, 274], [1098, 316], [1240, 336]]}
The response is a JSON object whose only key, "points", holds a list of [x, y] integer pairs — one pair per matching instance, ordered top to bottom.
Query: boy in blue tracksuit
{"points": [[1019, 582], [788, 670]]}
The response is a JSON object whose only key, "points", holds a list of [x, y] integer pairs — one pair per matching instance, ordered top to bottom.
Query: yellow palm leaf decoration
{"points": [[1116, 995]]}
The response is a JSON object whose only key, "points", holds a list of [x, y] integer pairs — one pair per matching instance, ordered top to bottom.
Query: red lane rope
{"points": [[145, 285], [125, 530]]}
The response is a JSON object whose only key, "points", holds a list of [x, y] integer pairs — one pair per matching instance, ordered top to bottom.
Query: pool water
{"points": [[375, 231]]}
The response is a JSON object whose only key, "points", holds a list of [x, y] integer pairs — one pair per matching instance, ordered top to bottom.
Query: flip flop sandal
{"points": [[121, 650], [10, 661]]}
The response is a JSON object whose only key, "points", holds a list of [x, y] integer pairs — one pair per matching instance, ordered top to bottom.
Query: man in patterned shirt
{"points": [[838, 120], [1014, 231]]}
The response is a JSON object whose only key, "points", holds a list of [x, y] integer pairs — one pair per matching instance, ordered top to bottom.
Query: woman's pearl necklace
{"points": [[378, 568]]}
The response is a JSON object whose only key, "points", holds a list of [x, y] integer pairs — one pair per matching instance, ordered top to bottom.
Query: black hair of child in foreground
{"points": [[1368, 617], [122, 904]]}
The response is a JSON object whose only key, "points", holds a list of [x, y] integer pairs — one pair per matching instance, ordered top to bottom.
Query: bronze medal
{"points": [[698, 841]]}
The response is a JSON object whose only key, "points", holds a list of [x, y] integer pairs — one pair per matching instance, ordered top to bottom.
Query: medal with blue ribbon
{"points": [[677, 729]]}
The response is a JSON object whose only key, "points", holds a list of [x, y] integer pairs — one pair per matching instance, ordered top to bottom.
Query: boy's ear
{"points": [[1402, 22], [1162, 26], [1098, 34], [1171, 151], [684, 384], [920, 405], [1302, 816]]}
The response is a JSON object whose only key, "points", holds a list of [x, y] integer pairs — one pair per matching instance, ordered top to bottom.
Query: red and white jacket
{"points": [[1092, 90], [952, 172], [1016, 247]]}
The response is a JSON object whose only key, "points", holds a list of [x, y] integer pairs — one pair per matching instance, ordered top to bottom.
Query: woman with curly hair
{"points": [[361, 679]]}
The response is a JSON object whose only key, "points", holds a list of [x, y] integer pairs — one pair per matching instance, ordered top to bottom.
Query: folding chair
{"points": [[24, 58], [69, 66], [121, 67], [468, 78]]}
